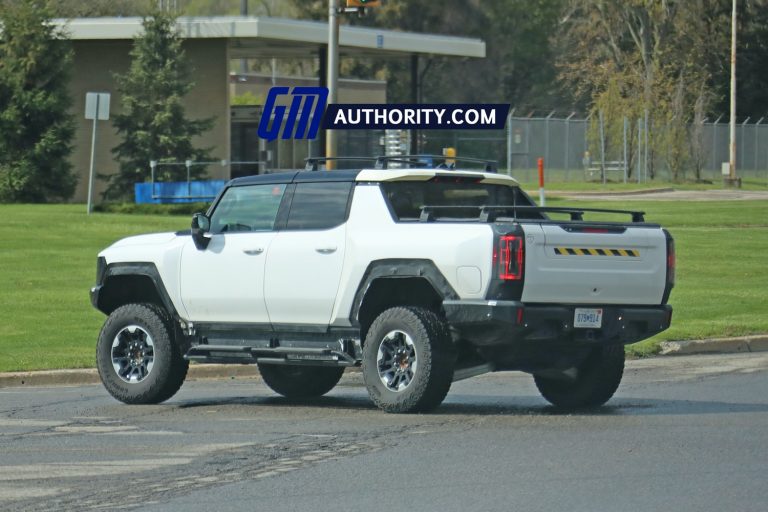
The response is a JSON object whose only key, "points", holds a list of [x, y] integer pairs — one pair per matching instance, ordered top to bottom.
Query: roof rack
{"points": [[383, 161], [312, 163], [491, 213]]}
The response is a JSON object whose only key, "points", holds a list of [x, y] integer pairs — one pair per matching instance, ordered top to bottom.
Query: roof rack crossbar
{"points": [[382, 161], [313, 163], [491, 213]]}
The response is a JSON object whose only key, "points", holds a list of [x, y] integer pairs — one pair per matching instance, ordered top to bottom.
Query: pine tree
{"points": [[152, 120], [36, 123]]}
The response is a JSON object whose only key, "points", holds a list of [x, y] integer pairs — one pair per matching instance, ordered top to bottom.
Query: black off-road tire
{"points": [[434, 354], [169, 367], [597, 380], [297, 382]]}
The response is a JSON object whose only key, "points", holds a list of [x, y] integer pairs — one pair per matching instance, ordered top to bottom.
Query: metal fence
{"points": [[751, 146], [573, 148], [576, 149]]}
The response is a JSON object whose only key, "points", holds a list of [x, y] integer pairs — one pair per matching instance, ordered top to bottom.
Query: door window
{"points": [[248, 208]]}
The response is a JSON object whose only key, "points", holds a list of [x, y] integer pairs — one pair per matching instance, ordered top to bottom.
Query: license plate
{"points": [[588, 317]]}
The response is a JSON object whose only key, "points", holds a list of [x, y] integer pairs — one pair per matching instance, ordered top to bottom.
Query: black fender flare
{"points": [[142, 269], [398, 269]]}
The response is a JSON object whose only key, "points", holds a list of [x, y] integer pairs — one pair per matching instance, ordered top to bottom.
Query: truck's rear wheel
{"points": [[137, 356], [408, 360], [300, 381], [596, 381]]}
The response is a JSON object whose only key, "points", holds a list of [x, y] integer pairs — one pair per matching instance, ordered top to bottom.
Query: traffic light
{"points": [[363, 3]]}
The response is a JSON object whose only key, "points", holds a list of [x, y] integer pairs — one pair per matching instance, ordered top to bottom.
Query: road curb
{"points": [[715, 346], [84, 376], [80, 377], [49, 378]]}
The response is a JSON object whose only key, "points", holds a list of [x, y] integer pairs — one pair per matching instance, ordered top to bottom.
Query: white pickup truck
{"points": [[422, 276]]}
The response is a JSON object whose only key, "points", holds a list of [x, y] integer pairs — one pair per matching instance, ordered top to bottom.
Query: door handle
{"points": [[326, 250], [253, 252]]}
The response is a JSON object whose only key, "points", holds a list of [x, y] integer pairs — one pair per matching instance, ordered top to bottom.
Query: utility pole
{"points": [[244, 62], [333, 76], [732, 180]]}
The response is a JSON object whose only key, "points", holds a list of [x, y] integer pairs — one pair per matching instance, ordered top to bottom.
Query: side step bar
{"points": [[271, 355], [472, 371]]}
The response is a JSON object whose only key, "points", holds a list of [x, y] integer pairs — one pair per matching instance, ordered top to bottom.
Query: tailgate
{"points": [[574, 264]]}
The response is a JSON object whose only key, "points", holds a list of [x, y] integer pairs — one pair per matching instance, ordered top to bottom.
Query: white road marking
{"points": [[20, 422], [94, 429], [84, 469], [25, 493]]}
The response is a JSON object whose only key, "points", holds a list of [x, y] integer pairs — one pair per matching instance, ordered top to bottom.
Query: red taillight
{"points": [[509, 257], [671, 260]]}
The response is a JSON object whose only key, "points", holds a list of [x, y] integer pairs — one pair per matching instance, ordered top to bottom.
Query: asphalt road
{"points": [[682, 434]]}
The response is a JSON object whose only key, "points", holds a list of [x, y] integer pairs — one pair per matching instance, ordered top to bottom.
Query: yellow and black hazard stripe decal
{"points": [[577, 251]]}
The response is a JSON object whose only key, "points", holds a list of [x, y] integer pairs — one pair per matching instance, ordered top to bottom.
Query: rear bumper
{"points": [[506, 323]]}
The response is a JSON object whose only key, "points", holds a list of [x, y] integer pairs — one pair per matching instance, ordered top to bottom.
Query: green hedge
{"points": [[152, 209]]}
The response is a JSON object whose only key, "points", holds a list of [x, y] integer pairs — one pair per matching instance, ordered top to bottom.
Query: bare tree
{"points": [[630, 57]]}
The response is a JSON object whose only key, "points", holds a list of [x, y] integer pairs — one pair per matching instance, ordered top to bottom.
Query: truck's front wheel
{"points": [[137, 355], [408, 360], [597, 379]]}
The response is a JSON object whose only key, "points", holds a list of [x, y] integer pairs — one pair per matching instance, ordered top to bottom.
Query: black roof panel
{"points": [[340, 175], [295, 176], [263, 179]]}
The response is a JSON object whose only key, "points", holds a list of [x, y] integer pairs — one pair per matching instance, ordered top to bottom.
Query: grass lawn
{"points": [[48, 264]]}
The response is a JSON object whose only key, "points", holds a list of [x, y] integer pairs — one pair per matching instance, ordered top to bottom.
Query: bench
{"points": [[593, 172]]}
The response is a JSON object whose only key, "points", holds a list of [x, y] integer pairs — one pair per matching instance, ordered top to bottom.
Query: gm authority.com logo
{"points": [[307, 110]]}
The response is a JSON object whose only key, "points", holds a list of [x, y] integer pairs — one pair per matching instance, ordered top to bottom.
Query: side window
{"points": [[408, 197], [319, 205], [248, 208]]}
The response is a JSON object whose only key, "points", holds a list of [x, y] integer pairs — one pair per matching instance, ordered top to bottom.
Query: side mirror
{"points": [[201, 225]]}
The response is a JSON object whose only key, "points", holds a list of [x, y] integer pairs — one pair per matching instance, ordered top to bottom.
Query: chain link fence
{"points": [[574, 148], [588, 148]]}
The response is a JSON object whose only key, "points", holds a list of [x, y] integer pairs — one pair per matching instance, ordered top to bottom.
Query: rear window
{"points": [[407, 198]]}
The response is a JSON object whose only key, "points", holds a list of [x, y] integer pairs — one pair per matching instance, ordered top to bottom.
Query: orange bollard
{"points": [[542, 201]]}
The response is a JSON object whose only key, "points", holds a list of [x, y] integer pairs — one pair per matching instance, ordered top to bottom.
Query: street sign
{"points": [[97, 105], [96, 109]]}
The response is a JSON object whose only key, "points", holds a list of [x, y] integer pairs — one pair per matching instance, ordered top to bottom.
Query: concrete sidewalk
{"points": [[667, 195], [757, 343], [742, 344]]}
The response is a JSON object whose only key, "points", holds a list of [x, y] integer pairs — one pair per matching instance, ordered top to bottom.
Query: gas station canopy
{"points": [[275, 37]]}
